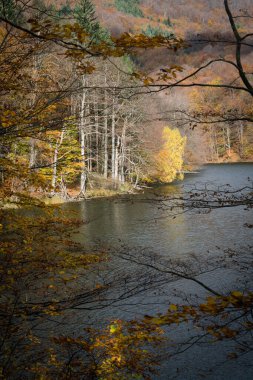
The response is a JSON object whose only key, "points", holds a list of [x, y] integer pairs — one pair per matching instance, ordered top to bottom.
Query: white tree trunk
{"points": [[113, 138], [106, 139], [228, 141], [122, 152], [33, 153], [55, 161], [116, 166], [83, 177]]}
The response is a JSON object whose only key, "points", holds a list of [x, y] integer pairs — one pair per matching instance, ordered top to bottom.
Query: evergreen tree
{"points": [[129, 6], [9, 10], [65, 10], [84, 14], [167, 22]]}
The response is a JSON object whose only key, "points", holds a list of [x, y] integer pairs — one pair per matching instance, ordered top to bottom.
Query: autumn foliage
{"points": [[71, 107], [169, 160]]}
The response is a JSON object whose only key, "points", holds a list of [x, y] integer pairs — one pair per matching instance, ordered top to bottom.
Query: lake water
{"points": [[114, 221], [139, 226]]}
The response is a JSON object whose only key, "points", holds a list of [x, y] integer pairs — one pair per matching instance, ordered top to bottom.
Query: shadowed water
{"points": [[135, 223]]}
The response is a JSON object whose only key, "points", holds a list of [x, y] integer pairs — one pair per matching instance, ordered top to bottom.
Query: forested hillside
{"points": [[201, 24], [92, 124]]}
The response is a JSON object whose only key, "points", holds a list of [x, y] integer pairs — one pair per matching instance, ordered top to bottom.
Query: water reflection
{"points": [[137, 223]]}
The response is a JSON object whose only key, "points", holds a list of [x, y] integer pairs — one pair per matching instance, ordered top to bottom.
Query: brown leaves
{"points": [[141, 41], [225, 308], [121, 351]]}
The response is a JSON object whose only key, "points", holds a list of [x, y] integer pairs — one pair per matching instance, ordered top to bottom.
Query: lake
{"points": [[113, 221], [139, 227]]}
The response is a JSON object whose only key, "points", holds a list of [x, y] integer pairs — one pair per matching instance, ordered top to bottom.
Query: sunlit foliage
{"points": [[169, 159]]}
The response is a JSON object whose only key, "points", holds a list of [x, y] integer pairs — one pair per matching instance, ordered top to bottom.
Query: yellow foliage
{"points": [[169, 160], [122, 351]]}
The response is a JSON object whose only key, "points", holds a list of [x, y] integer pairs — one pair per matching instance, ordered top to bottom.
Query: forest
{"points": [[126, 183]]}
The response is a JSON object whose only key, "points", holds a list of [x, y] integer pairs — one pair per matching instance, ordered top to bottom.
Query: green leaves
{"points": [[129, 7], [10, 10], [84, 14], [151, 31]]}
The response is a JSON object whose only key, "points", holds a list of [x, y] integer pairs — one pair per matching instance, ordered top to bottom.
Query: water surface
{"points": [[138, 224]]}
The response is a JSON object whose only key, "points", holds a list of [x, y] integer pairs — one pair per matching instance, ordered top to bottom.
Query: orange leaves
{"points": [[51, 30], [73, 38], [141, 41], [86, 68], [169, 73], [164, 75], [148, 80], [7, 118], [38, 256], [38, 264], [215, 305], [211, 306], [51, 310], [225, 310], [175, 315], [221, 332], [122, 350]]}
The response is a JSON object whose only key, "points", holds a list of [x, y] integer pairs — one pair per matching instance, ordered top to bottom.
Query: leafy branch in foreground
{"points": [[39, 264], [45, 282], [224, 315], [135, 348], [123, 350]]}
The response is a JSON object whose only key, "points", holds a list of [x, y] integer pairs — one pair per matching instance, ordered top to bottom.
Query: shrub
{"points": [[129, 7], [167, 22], [151, 31]]}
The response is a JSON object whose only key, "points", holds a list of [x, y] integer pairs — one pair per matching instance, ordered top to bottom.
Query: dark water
{"points": [[133, 223], [139, 224]]}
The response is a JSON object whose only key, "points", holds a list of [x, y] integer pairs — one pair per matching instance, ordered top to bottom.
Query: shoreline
{"points": [[100, 193], [57, 199]]}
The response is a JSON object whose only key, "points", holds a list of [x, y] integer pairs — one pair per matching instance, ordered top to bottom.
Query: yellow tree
{"points": [[169, 160]]}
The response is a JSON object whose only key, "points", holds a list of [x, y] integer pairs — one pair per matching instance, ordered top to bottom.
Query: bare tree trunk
{"points": [[96, 119], [224, 135], [106, 138], [113, 138], [89, 140], [228, 141], [241, 142], [82, 143], [215, 144], [122, 152], [33, 153], [55, 161], [116, 168], [83, 178], [63, 187]]}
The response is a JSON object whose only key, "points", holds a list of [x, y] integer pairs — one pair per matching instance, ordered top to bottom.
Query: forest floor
{"points": [[231, 157]]}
